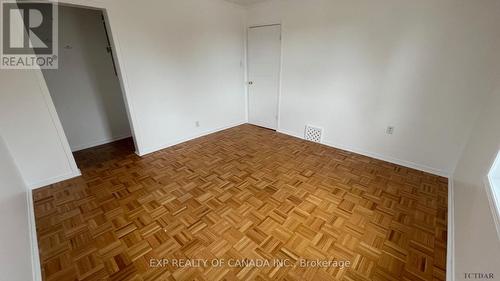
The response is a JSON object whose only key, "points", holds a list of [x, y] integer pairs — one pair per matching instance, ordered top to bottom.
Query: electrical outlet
{"points": [[197, 123], [390, 130]]}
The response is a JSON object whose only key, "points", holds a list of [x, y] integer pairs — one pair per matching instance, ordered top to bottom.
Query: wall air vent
{"points": [[313, 134]]}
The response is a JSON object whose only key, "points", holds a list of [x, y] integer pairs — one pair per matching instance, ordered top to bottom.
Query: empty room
{"points": [[250, 140]]}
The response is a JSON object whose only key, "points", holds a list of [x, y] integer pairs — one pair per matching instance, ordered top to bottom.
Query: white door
{"points": [[264, 57]]}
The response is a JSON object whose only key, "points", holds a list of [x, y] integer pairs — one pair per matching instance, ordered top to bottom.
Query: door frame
{"points": [[121, 76], [247, 87], [75, 172]]}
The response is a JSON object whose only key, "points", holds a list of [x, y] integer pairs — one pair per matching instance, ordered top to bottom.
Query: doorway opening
{"points": [[86, 90]]}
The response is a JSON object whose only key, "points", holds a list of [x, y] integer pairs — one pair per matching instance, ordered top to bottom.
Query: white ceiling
{"points": [[246, 2]]}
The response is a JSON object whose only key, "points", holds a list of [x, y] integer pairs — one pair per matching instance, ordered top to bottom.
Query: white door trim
{"points": [[49, 104]]}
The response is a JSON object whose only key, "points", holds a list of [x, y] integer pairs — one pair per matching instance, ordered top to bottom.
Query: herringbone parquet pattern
{"points": [[246, 192]]}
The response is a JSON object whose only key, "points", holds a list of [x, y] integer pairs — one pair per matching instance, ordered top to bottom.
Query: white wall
{"points": [[181, 62], [184, 63], [352, 67], [356, 67], [85, 90], [29, 124], [15, 244], [477, 247]]}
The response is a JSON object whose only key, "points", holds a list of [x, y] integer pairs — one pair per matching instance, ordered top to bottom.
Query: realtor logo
{"points": [[29, 35]]}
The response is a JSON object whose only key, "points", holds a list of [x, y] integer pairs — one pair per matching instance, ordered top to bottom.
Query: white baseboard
{"points": [[204, 133], [100, 142], [378, 156], [53, 180], [450, 252], [35, 255]]}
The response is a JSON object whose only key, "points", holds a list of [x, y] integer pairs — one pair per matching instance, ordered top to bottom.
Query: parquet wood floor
{"points": [[244, 193]]}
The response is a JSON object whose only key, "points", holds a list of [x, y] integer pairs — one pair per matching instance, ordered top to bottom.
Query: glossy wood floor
{"points": [[246, 192]]}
